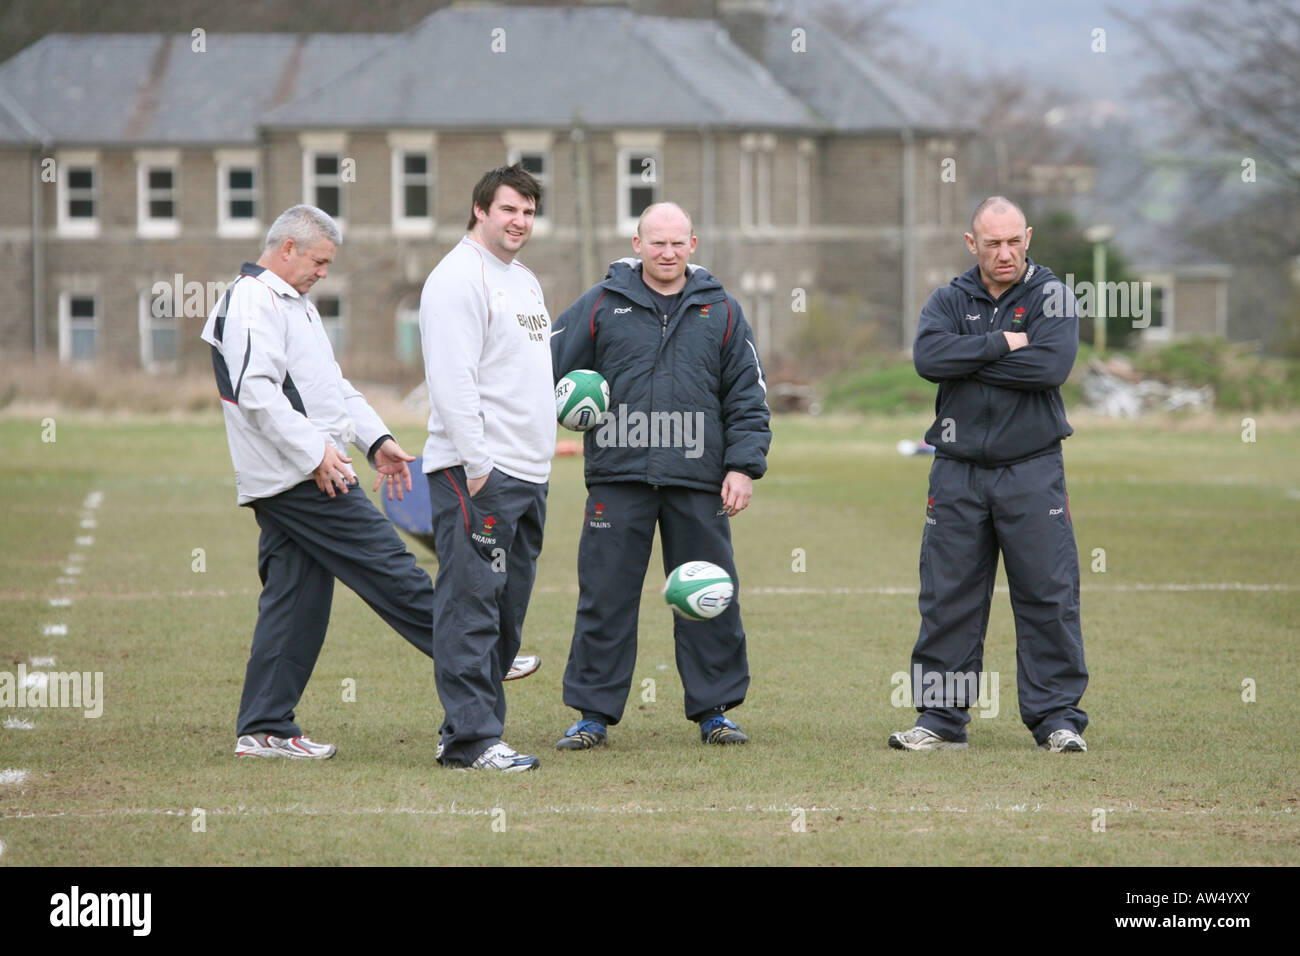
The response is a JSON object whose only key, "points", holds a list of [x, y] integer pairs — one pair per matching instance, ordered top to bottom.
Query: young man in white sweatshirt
{"points": [[486, 339]]}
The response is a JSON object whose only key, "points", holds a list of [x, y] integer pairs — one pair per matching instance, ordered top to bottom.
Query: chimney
{"points": [[746, 22]]}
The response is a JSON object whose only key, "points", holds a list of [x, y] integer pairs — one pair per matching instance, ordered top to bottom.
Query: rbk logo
{"points": [[972, 318]]}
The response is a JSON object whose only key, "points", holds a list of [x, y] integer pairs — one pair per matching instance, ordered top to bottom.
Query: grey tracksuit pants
{"points": [[1021, 510], [308, 539], [612, 557], [487, 559]]}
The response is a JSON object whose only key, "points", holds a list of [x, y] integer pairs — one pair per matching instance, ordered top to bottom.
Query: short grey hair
{"points": [[995, 204], [305, 225]]}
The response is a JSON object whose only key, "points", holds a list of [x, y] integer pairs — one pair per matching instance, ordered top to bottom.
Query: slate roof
{"points": [[613, 67], [153, 88]]}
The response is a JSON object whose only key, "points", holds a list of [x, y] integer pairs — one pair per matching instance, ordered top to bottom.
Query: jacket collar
{"points": [[624, 277], [269, 278]]}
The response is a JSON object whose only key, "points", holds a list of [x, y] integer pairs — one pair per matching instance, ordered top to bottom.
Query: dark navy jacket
{"points": [[701, 360], [995, 406]]}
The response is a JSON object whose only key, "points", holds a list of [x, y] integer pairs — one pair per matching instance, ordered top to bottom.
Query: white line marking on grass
{"points": [[93, 500], [88, 522], [85, 540], [76, 557], [72, 569], [65, 581], [1092, 588], [60, 602], [55, 630], [41, 661], [18, 723], [12, 776], [634, 809]]}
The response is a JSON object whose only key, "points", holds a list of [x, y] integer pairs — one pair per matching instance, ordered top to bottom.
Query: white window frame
{"points": [[520, 142], [631, 144], [313, 145], [401, 146], [755, 181], [803, 183], [149, 226], [227, 226], [78, 227], [337, 291], [407, 314], [147, 321], [65, 324], [1165, 332]]}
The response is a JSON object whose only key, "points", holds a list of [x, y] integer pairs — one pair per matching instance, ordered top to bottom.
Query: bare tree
{"points": [[1232, 69]]}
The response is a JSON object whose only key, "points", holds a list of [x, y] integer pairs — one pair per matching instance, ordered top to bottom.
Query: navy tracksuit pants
{"points": [[1023, 511], [309, 539], [487, 549], [613, 554]]}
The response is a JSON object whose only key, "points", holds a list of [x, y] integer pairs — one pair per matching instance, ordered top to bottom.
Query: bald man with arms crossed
{"points": [[999, 341]]}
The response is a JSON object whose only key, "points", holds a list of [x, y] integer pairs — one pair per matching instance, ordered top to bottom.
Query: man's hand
{"points": [[1017, 340], [390, 462], [332, 470], [476, 484], [737, 490]]}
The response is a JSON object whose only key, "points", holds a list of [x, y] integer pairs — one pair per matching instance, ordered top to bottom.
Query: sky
{"points": [[1051, 41]]}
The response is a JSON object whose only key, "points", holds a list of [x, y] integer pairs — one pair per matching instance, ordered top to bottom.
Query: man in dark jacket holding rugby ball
{"points": [[686, 436]]}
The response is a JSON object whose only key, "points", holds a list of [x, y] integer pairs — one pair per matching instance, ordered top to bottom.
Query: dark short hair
{"points": [[516, 177]]}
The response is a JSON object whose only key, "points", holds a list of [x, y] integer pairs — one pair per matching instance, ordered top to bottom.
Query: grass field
{"points": [[1199, 594]]}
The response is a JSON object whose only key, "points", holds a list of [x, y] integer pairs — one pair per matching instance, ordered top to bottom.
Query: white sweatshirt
{"points": [[486, 337], [283, 394]]}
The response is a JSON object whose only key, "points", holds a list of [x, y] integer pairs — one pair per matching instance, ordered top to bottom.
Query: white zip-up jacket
{"points": [[486, 337], [283, 394]]}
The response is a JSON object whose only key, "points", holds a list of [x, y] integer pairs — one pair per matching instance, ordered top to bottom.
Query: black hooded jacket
{"points": [[700, 362], [995, 406]]}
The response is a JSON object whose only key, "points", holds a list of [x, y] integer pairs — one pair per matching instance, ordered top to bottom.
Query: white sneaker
{"points": [[522, 666], [918, 738], [1064, 741], [265, 745], [500, 756]]}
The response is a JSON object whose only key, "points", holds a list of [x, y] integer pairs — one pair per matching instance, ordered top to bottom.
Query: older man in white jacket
{"points": [[290, 416]]}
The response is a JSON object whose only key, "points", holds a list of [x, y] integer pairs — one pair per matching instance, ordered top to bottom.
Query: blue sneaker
{"points": [[719, 730], [583, 735]]}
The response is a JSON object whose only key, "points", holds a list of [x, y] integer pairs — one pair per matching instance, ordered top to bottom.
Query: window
{"points": [[531, 149], [535, 164], [325, 168], [639, 177], [756, 180], [413, 182], [803, 183], [324, 188], [156, 192], [237, 194], [78, 208], [330, 308], [1159, 313], [77, 327], [157, 331], [407, 339]]}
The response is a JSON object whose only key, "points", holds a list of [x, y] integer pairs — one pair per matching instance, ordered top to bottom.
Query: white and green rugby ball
{"points": [[581, 399], [699, 590]]}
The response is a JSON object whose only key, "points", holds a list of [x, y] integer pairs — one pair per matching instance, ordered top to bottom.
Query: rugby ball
{"points": [[581, 399], [699, 590]]}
